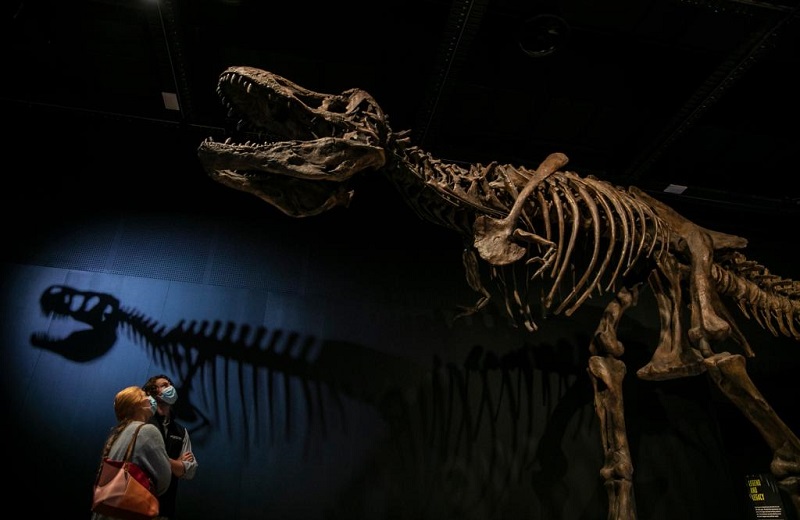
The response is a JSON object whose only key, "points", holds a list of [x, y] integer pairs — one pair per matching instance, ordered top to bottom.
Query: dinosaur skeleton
{"points": [[582, 236]]}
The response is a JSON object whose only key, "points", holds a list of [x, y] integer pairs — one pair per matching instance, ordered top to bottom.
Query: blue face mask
{"points": [[169, 395], [153, 404]]}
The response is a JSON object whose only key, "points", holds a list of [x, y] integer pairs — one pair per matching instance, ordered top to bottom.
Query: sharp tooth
{"points": [[228, 140]]}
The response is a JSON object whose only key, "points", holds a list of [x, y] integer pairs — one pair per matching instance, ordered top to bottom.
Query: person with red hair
{"points": [[133, 407]]}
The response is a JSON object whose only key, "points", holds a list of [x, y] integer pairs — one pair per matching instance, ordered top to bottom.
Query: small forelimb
{"points": [[533, 238], [545, 261], [472, 272]]}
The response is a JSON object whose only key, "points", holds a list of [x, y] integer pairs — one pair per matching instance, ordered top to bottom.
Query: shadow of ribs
{"points": [[579, 236]]}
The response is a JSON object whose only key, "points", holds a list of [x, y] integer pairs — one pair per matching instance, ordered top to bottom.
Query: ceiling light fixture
{"points": [[543, 35]]}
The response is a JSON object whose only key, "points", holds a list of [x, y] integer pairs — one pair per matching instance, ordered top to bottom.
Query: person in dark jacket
{"points": [[176, 439]]}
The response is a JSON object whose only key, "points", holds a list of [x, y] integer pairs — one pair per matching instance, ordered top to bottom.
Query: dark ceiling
{"points": [[661, 94]]}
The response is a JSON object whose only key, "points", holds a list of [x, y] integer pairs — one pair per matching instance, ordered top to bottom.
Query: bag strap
{"points": [[131, 444], [128, 453]]}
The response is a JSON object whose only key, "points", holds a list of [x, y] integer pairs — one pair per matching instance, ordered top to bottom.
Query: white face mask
{"points": [[169, 395], [153, 404]]}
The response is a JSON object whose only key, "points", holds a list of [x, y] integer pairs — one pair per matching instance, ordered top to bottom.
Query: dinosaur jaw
{"points": [[308, 144], [299, 178], [292, 196], [93, 318]]}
